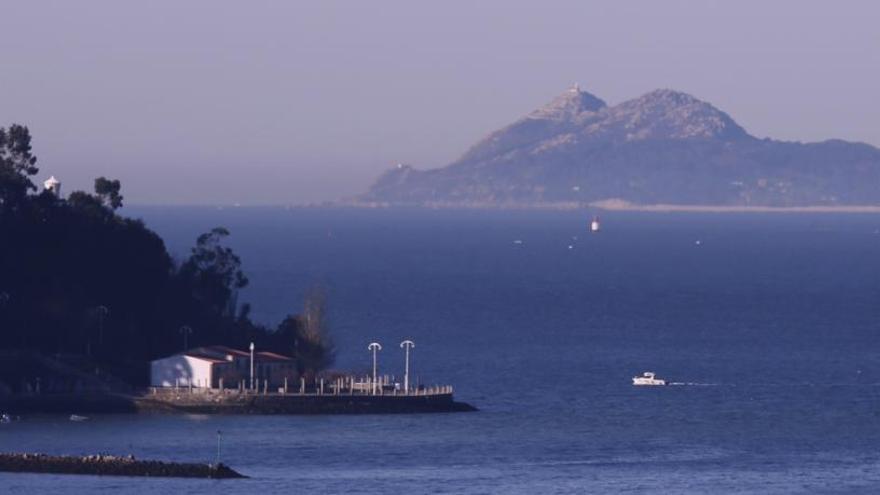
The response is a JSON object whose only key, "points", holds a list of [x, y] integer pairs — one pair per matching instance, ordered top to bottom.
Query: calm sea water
{"points": [[770, 325]]}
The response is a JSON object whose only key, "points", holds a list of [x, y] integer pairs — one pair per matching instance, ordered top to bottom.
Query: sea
{"points": [[767, 327]]}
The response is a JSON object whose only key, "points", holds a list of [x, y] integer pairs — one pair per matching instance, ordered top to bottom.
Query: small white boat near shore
{"points": [[648, 378]]}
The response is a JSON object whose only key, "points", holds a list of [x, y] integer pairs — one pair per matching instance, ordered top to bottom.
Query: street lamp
{"points": [[4, 300], [102, 312], [186, 331], [407, 345], [375, 347], [252, 366], [219, 438]]}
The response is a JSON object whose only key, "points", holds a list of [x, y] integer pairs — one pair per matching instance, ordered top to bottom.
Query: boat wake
{"points": [[693, 384]]}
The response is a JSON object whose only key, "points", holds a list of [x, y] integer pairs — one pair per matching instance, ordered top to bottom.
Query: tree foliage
{"points": [[17, 165], [108, 192], [60, 259], [308, 334]]}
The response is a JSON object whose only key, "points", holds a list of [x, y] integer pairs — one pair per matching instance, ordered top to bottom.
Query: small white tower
{"points": [[54, 185], [595, 225]]}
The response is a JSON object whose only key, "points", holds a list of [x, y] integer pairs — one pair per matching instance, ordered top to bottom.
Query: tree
{"points": [[17, 164], [108, 192], [89, 206], [62, 258], [214, 272], [313, 348]]}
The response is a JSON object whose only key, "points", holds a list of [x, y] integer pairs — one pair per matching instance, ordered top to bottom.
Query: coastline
{"points": [[605, 205], [679, 208]]}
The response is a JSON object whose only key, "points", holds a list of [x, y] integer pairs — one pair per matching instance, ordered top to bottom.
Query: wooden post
{"points": [[221, 384], [285, 385], [302, 386], [322, 386]]}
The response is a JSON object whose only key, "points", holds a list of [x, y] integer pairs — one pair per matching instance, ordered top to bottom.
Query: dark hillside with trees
{"points": [[77, 279]]}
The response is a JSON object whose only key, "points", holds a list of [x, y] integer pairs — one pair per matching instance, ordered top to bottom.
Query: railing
{"points": [[341, 386]]}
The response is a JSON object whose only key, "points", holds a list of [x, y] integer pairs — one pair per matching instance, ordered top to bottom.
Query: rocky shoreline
{"points": [[107, 465]]}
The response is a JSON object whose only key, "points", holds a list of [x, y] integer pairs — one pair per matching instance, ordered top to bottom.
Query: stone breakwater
{"points": [[108, 465]]}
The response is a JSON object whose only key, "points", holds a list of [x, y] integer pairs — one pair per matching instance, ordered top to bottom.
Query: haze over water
{"points": [[217, 102], [768, 326]]}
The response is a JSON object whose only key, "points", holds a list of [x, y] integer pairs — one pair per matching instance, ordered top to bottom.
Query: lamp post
{"points": [[4, 300], [102, 312], [186, 331], [406, 345], [375, 347], [252, 366], [219, 437]]}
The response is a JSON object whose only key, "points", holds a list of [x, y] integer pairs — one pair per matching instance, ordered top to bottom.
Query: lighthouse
{"points": [[53, 185]]}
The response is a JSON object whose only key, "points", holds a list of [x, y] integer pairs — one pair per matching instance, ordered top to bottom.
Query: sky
{"points": [[285, 102]]}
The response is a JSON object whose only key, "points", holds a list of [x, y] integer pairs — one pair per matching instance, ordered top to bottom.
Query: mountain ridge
{"points": [[665, 146]]}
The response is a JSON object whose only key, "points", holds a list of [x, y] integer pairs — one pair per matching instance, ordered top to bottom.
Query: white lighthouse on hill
{"points": [[54, 185]]}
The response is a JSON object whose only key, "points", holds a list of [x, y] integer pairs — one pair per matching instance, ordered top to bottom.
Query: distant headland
{"points": [[663, 151]]}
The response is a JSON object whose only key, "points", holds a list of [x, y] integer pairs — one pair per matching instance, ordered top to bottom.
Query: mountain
{"points": [[665, 147]]}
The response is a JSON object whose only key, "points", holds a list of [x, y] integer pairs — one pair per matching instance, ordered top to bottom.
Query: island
{"points": [[663, 151]]}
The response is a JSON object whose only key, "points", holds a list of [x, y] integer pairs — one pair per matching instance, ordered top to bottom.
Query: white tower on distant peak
{"points": [[576, 88], [53, 185]]}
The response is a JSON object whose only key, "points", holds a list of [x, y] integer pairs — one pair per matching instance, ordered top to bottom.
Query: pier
{"points": [[341, 395]]}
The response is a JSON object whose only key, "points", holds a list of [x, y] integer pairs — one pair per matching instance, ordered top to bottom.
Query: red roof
{"points": [[219, 353], [270, 356], [204, 358]]}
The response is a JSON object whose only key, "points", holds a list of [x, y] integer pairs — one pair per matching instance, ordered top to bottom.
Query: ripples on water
{"points": [[768, 328]]}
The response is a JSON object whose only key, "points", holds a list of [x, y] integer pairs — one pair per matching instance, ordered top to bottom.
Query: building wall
{"points": [[182, 370]]}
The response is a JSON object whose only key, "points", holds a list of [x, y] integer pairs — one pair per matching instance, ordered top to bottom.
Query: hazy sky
{"points": [[287, 102]]}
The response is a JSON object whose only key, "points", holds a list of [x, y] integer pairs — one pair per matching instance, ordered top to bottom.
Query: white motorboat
{"points": [[595, 225], [648, 378]]}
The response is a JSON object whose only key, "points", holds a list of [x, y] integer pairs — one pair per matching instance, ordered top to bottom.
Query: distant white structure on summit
{"points": [[576, 88], [54, 185]]}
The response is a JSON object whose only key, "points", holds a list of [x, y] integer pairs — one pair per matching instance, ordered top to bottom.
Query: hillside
{"points": [[665, 147]]}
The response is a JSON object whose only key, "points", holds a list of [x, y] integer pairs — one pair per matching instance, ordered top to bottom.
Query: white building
{"points": [[53, 185], [204, 367]]}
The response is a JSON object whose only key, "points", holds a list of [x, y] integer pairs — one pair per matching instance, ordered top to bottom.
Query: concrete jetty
{"points": [[214, 401], [279, 403], [108, 465]]}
